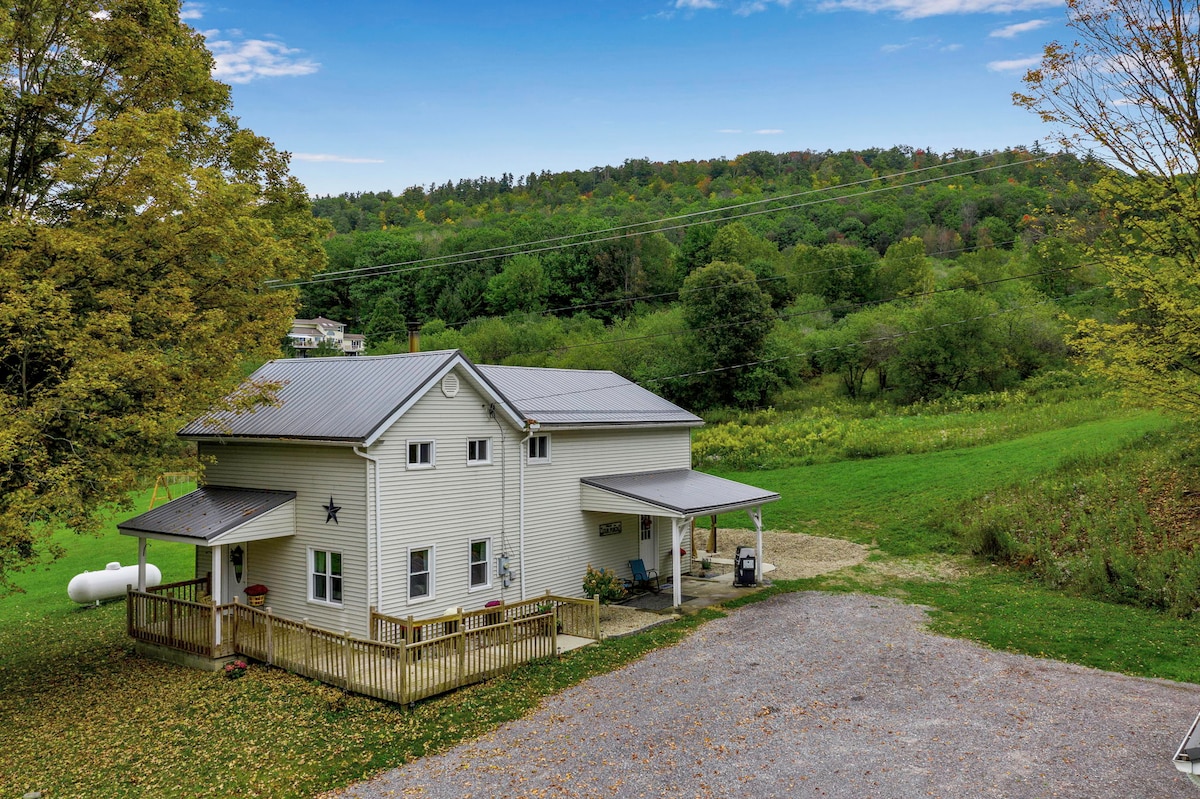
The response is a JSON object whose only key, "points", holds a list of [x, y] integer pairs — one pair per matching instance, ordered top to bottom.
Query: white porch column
{"points": [[756, 517], [141, 564], [676, 581], [214, 587]]}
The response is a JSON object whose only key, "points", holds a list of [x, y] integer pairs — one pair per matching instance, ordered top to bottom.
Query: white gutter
{"points": [[531, 427], [375, 521]]}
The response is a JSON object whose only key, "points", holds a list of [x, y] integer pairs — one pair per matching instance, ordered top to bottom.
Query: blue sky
{"points": [[371, 95]]}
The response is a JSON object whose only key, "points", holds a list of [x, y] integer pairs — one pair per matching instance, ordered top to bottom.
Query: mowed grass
{"points": [[83, 716]]}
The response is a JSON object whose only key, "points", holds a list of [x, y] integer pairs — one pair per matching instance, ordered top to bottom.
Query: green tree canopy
{"points": [[141, 224], [729, 318]]}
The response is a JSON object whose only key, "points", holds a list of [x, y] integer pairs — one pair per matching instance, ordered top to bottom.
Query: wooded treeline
{"points": [[723, 282]]}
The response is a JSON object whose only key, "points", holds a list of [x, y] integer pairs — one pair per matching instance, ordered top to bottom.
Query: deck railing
{"points": [[188, 590], [579, 617], [406, 661]]}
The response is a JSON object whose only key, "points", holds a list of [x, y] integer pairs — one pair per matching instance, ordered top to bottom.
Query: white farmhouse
{"points": [[413, 483]]}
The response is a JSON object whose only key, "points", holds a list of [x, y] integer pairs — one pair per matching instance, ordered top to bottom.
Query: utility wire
{"points": [[499, 250], [423, 264], [631, 299], [879, 339]]}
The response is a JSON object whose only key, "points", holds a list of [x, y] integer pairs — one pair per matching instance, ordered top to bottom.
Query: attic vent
{"points": [[450, 385]]}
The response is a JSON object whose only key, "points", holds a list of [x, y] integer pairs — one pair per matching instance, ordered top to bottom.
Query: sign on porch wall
{"points": [[610, 528]]}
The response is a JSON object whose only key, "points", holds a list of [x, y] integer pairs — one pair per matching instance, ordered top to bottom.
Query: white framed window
{"points": [[539, 449], [479, 451], [421, 454], [481, 555], [420, 574], [325, 576]]}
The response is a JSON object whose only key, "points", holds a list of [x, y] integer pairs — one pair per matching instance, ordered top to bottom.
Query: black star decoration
{"points": [[331, 511]]}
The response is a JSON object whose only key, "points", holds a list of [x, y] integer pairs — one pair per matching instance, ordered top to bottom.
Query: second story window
{"points": [[539, 449], [479, 451], [421, 454]]}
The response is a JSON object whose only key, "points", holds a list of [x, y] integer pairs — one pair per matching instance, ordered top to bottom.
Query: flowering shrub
{"points": [[604, 584], [258, 589], [236, 669]]}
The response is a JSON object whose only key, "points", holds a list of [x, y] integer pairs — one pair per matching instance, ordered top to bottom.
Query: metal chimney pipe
{"points": [[414, 336]]}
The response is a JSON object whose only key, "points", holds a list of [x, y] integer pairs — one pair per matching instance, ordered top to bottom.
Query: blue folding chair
{"points": [[643, 577]]}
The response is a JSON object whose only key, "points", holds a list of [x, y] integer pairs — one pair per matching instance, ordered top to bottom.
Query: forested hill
{"points": [[585, 255]]}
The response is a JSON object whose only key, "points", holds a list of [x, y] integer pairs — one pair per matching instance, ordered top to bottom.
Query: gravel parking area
{"points": [[832, 696]]}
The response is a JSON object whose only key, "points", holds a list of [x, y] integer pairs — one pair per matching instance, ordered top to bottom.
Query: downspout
{"points": [[531, 427], [378, 535]]}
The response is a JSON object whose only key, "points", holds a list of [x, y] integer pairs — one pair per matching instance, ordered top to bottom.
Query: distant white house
{"points": [[307, 335], [417, 482]]}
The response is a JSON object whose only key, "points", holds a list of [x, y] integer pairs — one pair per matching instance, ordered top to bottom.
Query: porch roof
{"points": [[679, 492], [217, 515]]}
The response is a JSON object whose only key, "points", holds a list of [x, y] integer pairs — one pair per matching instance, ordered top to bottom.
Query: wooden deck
{"points": [[409, 659]]}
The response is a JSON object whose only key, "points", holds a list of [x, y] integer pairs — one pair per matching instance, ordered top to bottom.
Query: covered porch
{"points": [[680, 495], [225, 521]]}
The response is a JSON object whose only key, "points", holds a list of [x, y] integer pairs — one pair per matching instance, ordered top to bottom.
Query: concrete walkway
{"points": [[825, 695]]}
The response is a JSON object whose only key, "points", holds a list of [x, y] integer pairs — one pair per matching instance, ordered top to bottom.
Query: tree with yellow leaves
{"points": [[1127, 86], [138, 226]]}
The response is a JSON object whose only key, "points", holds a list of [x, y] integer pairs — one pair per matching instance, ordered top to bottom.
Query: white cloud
{"points": [[692, 5], [755, 6], [917, 9], [191, 11], [1009, 31], [892, 48], [950, 48], [243, 61], [1015, 65], [768, 132], [327, 158]]}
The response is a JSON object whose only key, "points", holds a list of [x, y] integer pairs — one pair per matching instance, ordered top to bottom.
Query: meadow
{"points": [[83, 715]]}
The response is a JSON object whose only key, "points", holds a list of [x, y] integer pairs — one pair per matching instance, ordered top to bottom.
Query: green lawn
{"points": [[84, 716]]}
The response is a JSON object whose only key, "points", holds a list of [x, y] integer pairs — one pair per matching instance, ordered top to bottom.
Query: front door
{"points": [[648, 542], [236, 574]]}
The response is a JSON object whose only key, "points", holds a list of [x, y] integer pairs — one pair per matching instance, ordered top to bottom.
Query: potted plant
{"points": [[256, 594]]}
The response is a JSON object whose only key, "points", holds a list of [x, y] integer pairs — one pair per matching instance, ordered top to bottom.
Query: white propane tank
{"points": [[109, 584]]}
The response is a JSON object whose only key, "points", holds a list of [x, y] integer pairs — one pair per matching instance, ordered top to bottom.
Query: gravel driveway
{"points": [[828, 695]]}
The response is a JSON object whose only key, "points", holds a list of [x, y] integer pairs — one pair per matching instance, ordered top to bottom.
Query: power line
{"points": [[498, 250], [475, 256], [631, 299], [846, 307], [879, 339]]}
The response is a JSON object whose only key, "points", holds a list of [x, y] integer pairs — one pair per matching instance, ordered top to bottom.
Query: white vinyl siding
{"points": [[448, 506], [560, 539], [282, 564]]}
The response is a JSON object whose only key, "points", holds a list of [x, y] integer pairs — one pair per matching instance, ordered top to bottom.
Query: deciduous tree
{"points": [[1127, 85], [139, 226]]}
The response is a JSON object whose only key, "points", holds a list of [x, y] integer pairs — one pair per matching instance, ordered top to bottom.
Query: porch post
{"points": [[756, 516], [142, 564], [676, 581], [215, 589]]}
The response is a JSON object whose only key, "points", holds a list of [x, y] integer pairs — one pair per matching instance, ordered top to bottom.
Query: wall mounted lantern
{"points": [[237, 557]]}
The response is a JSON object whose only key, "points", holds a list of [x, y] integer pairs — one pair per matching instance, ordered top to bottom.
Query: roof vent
{"points": [[450, 385]]}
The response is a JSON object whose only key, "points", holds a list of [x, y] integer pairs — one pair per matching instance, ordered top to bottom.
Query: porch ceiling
{"points": [[682, 493], [217, 515]]}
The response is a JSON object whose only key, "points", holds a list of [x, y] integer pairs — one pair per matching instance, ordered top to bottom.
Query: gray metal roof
{"points": [[575, 396], [328, 399], [684, 491], [206, 512]]}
